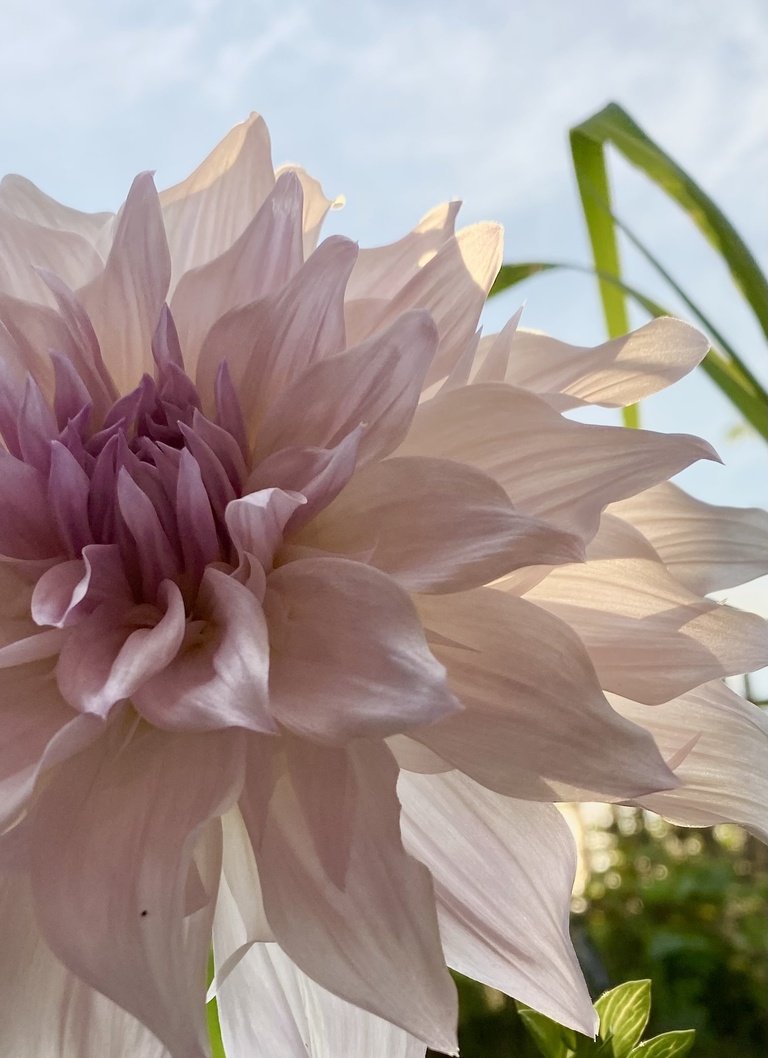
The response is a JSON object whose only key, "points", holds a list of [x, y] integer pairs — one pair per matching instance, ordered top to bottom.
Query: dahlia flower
{"points": [[313, 604]]}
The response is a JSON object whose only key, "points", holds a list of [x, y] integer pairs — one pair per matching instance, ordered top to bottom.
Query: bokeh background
{"points": [[400, 104]]}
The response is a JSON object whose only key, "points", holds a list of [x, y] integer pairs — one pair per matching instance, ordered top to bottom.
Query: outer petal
{"points": [[27, 201], [316, 205], [204, 214], [27, 246], [260, 262], [383, 271], [452, 286], [124, 301], [270, 343], [616, 373], [377, 383], [565, 472], [436, 526], [706, 547], [649, 637], [347, 639], [32, 712], [535, 715], [725, 775], [111, 848], [503, 874], [375, 943], [268, 1006], [47, 1012]]}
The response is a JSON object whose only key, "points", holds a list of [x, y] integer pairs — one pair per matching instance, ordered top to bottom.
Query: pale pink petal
{"points": [[27, 201], [316, 205], [206, 212], [27, 246], [260, 262], [384, 270], [452, 286], [124, 301], [71, 332], [270, 343], [493, 353], [462, 369], [616, 373], [377, 383], [36, 427], [565, 472], [319, 474], [68, 490], [256, 522], [436, 526], [27, 530], [199, 537], [706, 547], [158, 558], [61, 592], [649, 638], [31, 648], [103, 660], [365, 676], [220, 681], [31, 713], [534, 713], [413, 756], [724, 777], [325, 786], [110, 848], [503, 873], [240, 876], [375, 943], [268, 1006], [45, 1011]]}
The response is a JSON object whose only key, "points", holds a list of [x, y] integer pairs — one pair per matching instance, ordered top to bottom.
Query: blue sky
{"points": [[400, 105]]}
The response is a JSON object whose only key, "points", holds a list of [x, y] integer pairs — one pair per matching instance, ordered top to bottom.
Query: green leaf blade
{"points": [[614, 125], [624, 1013], [552, 1040], [668, 1045]]}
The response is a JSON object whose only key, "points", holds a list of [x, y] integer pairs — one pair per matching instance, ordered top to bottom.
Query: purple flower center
{"points": [[143, 487]]}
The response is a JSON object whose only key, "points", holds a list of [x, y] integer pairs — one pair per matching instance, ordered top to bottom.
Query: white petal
{"points": [[27, 201], [316, 205], [205, 213], [27, 246], [260, 262], [384, 270], [452, 286], [124, 300], [616, 373], [377, 383], [563, 471], [435, 526], [706, 547], [347, 638], [650, 638], [534, 716], [725, 774], [112, 837], [503, 874], [375, 942], [269, 1007], [47, 1012]]}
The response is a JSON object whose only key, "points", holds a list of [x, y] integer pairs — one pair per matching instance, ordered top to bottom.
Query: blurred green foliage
{"points": [[684, 908]]}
